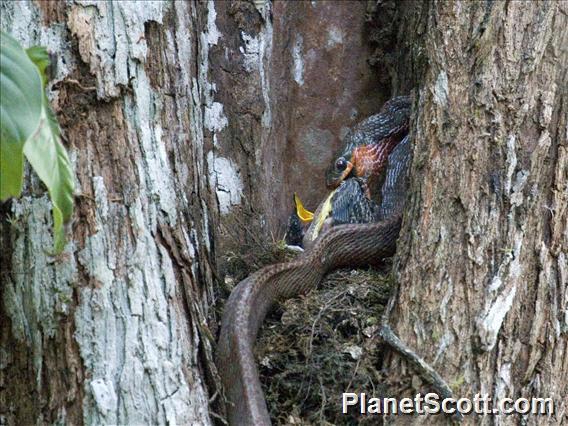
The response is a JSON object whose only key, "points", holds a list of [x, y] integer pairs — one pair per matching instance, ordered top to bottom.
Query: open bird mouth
{"points": [[304, 214]]}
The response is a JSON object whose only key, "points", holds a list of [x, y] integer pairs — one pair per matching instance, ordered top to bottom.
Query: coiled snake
{"points": [[343, 245]]}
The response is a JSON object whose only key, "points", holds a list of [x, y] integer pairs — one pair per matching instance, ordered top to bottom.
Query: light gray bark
{"points": [[111, 331]]}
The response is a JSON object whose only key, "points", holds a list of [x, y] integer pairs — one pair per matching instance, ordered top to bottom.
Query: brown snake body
{"points": [[343, 245]]}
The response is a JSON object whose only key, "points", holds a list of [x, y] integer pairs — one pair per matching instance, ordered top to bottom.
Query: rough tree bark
{"points": [[190, 124], [482, 257], [112, 332]]}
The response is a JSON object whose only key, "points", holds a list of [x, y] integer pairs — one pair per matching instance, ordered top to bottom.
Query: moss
{"points": [[436, 336], [457, 383]]}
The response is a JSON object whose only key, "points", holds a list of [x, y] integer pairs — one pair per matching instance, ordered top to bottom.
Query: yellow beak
{"points": [[303, 214]]}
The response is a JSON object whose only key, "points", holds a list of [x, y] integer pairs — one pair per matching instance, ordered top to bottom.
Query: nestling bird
{"points": [[297, 223]]}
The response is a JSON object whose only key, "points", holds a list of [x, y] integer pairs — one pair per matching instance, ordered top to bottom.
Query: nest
{"points": [[315, 347]]}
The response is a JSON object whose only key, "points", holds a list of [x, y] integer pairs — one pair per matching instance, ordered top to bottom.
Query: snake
{"points": [[368, 145], [343, 245]]}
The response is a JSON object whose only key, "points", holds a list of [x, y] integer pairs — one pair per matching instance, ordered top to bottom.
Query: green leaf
{"points": [[39, 56], [20, 110], [29, 126], [49, 159], [11, 168]]}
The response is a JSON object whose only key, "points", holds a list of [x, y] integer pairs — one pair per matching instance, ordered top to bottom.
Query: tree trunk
{"points": [[289, 79], [190, 125], [482, 257], [112, 331]]}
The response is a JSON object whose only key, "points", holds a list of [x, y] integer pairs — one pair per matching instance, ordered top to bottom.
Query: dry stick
{"points": [[422, 367], [427, 372], [354, 373], [323, 401], [219, 417]]}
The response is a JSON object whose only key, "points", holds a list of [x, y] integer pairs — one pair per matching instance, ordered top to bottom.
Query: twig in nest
{"points": [[421, 366]]}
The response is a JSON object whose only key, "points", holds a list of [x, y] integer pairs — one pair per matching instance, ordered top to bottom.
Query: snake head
{"points": [[338, 171]]}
